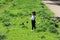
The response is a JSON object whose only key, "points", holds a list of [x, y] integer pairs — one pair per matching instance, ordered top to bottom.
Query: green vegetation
{"points": [[15, 23]]}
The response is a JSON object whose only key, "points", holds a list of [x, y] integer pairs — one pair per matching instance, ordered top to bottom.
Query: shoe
{"points": [[32, 30]]}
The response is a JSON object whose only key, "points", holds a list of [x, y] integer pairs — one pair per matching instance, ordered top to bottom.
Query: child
{"points": [[33, 20]]}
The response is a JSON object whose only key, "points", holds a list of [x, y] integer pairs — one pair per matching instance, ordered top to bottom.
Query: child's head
{"points": [[33, 13]]}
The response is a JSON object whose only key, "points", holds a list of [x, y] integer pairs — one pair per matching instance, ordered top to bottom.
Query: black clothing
{"points": [[33, 24]]}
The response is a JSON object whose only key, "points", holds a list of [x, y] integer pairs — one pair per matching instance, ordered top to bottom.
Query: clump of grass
{"points": [[9, 0], [4, 3], [14, 4], [12, 15], [21, 15], [1, 18], [5, 20], [27, 22], [7, 24], [22, 24], [56, 25], [24, 27], [41, 29], [53, 30], [2, 37], [42, 37]]}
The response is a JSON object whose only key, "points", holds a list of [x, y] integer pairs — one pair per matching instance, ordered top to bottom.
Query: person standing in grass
{"points": [[33, 20]]}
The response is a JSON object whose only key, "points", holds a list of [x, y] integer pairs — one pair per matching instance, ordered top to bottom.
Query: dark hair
{"points": [[33, 12]]}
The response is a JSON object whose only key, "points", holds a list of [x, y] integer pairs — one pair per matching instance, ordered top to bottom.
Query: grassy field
{"points": [[15, 22]]}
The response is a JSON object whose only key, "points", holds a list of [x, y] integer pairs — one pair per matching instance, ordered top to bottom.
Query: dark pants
{"points": [[33, 24]]}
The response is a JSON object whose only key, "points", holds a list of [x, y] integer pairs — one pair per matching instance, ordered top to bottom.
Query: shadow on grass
{"points": [[58, 18]]}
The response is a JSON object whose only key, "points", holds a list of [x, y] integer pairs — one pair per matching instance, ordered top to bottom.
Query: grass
{"points": [[15, 23]]}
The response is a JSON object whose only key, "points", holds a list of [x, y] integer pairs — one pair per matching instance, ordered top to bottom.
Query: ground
{"points": [[15, 22]]}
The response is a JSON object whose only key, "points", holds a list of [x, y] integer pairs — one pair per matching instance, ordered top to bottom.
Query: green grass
{"points": [[15, 22]]}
